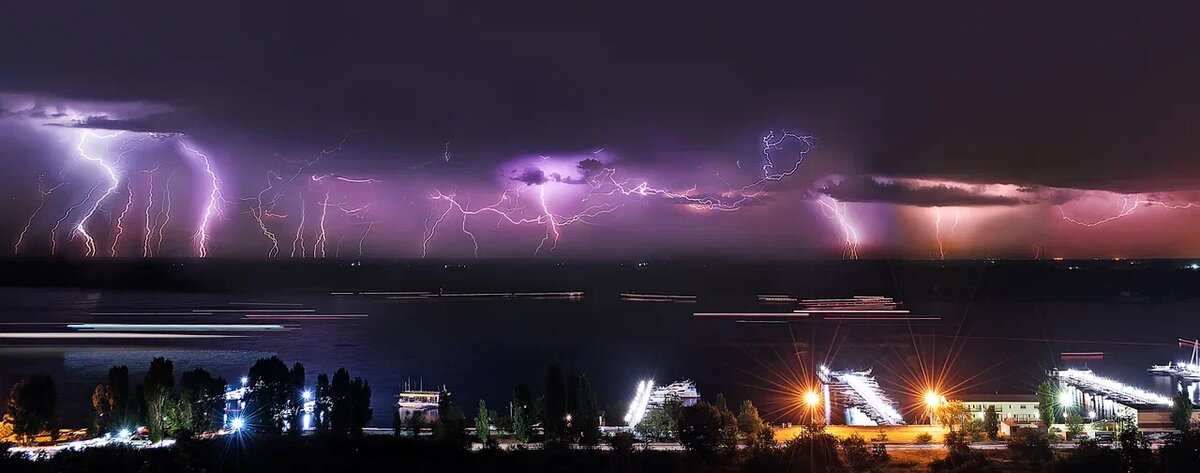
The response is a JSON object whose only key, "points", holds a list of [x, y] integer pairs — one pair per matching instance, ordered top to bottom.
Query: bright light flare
{"points": [[812, 399]]}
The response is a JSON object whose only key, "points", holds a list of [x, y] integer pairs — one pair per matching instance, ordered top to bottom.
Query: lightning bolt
{"points": [[605, 183], [279, 185], [43, 192], [1129, 204], [149, 205], [213, 206], [837, 211], [164, 213], [370, 225], [551, 225], [81, 227], [937, 231], [321, 236], [299, 240], [112, 251]]}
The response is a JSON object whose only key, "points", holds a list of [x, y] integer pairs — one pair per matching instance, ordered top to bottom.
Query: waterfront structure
{"points": [[855, 398]]}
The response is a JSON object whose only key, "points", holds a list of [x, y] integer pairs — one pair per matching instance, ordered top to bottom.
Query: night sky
{"points": [[600, 130]]}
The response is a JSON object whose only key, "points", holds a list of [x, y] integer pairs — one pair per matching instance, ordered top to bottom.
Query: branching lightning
{"points": [[603, 184], [43, 192], [1128, 206], [212, 207], [837, 211], [81, 227]]}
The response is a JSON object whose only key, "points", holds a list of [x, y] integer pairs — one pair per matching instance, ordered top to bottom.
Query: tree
{"points": [[159, 395], [204, 395], [270, 395], [296, 398], [1046, 401], [324, 403], [340, 405], [556, 405], [360, 406], [32, 407], [102, 409], [124, 412], [522, 412], [1181, 412], [954, 415], [587, 418], [450, 421], [748, 421], [991, 422], [570, 423], [662, 423], [729, 424], [1074, 424], [483, 426], [700, 428], [1133, 446]]}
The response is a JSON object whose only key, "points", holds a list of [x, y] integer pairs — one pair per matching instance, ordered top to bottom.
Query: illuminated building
{"points": [[854, 398]]}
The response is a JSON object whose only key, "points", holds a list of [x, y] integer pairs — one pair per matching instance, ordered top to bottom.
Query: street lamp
{"points": [[245, 380], [306, 395], [812, 399], [932, 401], [237, 424]]}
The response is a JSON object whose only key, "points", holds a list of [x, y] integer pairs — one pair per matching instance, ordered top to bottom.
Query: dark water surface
{"points": [[1003, 323]]}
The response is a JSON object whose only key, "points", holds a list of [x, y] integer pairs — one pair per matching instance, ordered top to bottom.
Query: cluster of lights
{"points": [[870, 394], [1137, 394], [641, 399]]}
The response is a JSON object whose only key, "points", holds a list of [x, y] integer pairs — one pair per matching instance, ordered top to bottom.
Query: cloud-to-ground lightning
{"points": [[111, 175], [43, 192], [212, 207], [837, 211], [164, 214], [937, 231], [112, 251]]}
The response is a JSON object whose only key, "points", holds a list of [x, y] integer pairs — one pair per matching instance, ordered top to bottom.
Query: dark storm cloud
{"points": [[53, 110], [159, 123], [590, 166], [530, 177], [873, 189]]}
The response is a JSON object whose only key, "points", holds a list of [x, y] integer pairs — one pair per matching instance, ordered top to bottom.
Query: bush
{"points": [[923, 438], [1028, 445], [1181, 452], [860, 457], [1090, 457], [961, 460]]}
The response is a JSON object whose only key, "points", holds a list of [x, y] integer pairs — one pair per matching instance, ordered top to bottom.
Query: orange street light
{"points": [[812, 398]]}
